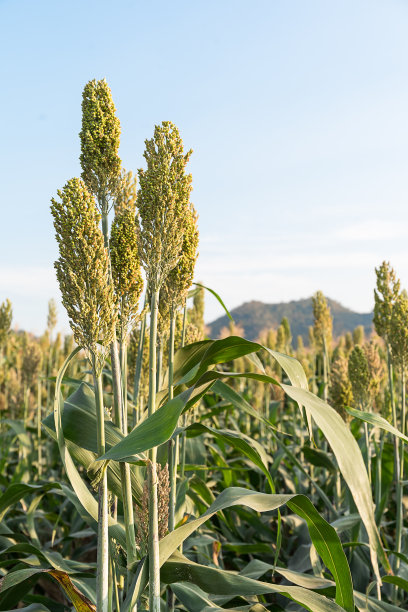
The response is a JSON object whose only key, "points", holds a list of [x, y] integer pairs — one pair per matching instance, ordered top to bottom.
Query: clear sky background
{"points": [[297, 112]]}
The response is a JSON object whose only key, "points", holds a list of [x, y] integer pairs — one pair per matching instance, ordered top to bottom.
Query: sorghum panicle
{"points": [[83, 268]]}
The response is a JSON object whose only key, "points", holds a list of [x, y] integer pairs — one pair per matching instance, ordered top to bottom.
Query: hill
{"points": [[256, 316]]}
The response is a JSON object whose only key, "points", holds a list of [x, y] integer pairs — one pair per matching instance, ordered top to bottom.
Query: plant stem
{"points": [[183, 335], [159, 364], [124, 370], [138, 371], [116, 385], [39, 388], [120, 421], [183, 435], [172, 442], [396, 444], [367, 445], [172, 454], [378, 488], [400, 505], [153, 544], [102, 577], [115, 586]]}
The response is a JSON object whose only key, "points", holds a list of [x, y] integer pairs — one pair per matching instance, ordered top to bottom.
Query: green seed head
{"points": [[100, 136], [127, 193], [163, 201], [83, 268], [126, 272], [173, 293], [385, 296], [6, 316], [52, 316], [323, 322], [398, 332], [288, 334], [358, 335], [281, 339], [312, 339], [348, 342], [31, 362], [376, 369], [359, 374], [340, 390]]}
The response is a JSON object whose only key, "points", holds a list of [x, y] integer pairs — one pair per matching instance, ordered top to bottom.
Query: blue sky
{"points": [[297, 113]]}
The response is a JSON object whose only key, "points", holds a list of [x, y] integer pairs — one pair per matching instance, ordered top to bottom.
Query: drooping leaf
{"points": [[215, 294], [378, 421], [79, 427], [155, 430], [248, 447], [351, 464], [17, 491], [84, 496], [323, 535], [216, 581], [80, 602], [364, 602]]}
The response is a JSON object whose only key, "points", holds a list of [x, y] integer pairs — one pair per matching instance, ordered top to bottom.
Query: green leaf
{"points": [[218, 298], [229, 394], [79, 421], [378, 421], [79, 427], [19, 429], [153, 431], [246, 445], [319, 458], [351, 464], [17, 491], [82, 493], [324, 536], [327, 544], [398, 581], [221, 582], [192, 597], [363, 602], [81, 603], [35, 607]]}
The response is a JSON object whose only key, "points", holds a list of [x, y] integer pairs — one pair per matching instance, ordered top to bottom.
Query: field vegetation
{"points": [[146, 466]]}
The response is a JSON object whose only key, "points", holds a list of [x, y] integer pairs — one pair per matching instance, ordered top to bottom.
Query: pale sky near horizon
{"points": [[296, 111]]}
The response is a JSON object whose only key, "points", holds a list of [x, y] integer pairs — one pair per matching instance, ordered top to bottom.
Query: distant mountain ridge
{"points": [[256, 316]]}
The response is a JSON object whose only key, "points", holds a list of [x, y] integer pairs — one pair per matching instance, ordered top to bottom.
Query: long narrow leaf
{"points": [[323, 535]]}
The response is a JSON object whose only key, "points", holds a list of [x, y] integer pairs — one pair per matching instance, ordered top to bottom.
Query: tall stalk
{"points": [[84, 277], [159, 362], [124, 371], [325, 371], [138, 372], [121, 422], [183, 435], [173, 442], [39, 450], [172, 453], [397, 477], [125, 478], [378, 480], [400, 505], [153, 542], [102, 576]]}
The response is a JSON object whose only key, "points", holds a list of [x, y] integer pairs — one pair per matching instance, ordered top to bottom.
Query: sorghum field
{"points": [[145, 466]]}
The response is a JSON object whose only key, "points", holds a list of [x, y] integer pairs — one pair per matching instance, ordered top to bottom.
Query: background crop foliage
{"points": [[178, 471]]}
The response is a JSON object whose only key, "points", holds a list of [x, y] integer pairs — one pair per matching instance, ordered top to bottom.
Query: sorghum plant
{"points": [[163, 203], [87, 294]]}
